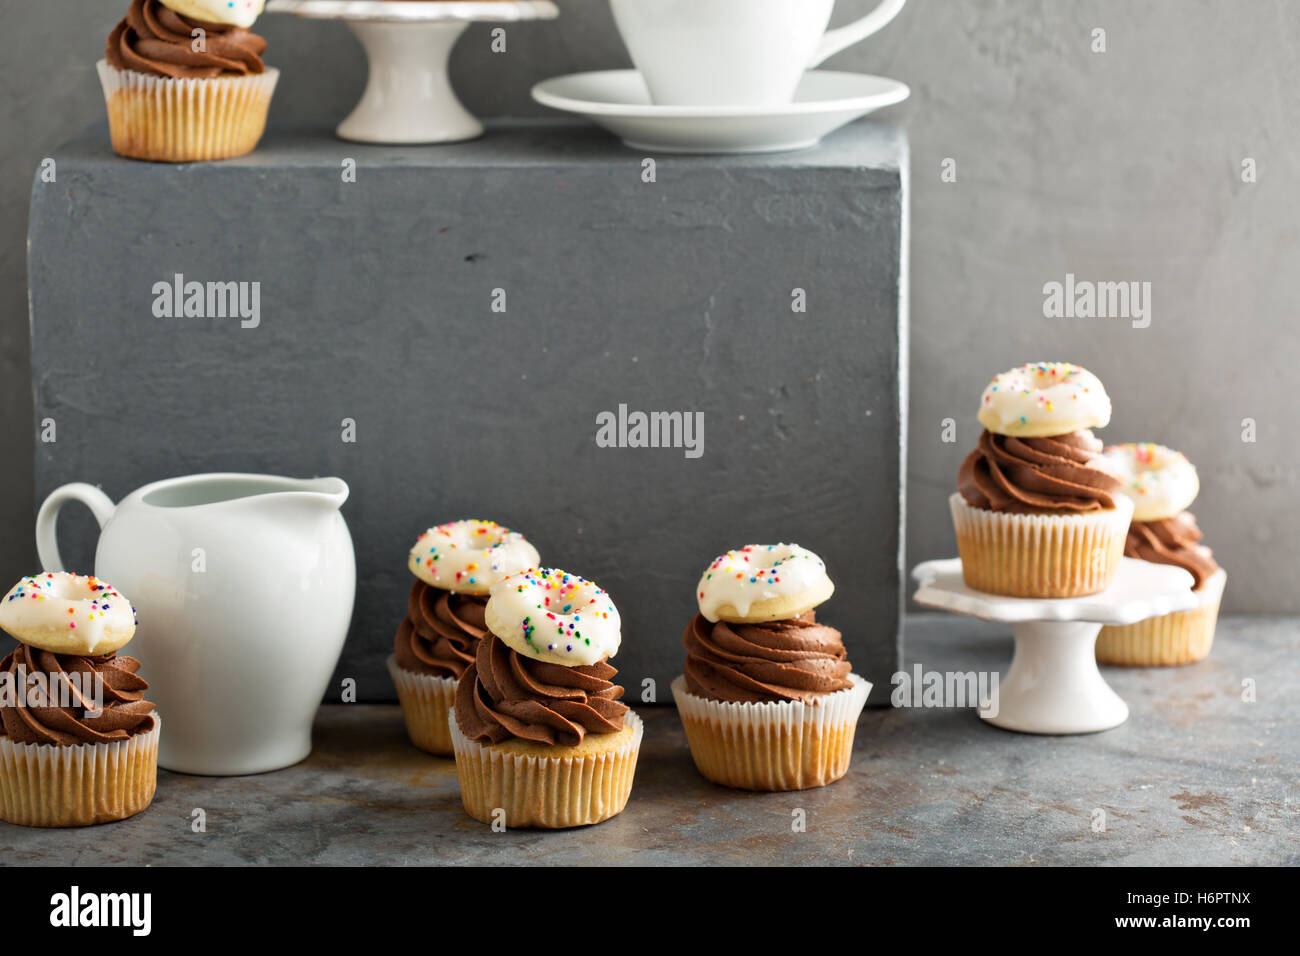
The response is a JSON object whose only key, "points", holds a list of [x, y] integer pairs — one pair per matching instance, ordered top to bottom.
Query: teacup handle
{"points": [[858, 30], [47, 519]]}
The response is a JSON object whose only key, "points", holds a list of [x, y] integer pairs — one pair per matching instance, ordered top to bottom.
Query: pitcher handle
{"points": [[836, 40], [47, 519]]}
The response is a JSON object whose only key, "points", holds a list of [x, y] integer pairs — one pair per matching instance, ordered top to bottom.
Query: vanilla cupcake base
{"points": [[185, 120], [1040, 555], [1183, 637], [426, 701], [772, 745], [523, 784], [46, 785]]}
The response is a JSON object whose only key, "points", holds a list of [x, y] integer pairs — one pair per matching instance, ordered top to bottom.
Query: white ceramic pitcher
{"points": [[243, 585]]}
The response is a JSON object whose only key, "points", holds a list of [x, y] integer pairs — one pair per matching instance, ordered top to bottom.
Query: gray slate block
{"points": [[376, 303]]}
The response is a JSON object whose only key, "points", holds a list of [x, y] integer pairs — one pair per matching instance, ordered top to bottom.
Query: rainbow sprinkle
{"points": [[1033, 379], [733, 562], [40, 588], [566, 588]]}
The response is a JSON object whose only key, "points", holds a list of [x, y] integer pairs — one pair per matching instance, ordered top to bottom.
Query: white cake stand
{"points": [[408, 98], [1053, 686]]}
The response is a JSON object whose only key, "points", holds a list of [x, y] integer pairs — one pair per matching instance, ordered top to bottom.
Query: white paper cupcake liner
{"points": [[185, 120], [1040, 555], [1183, 637], [426, 701], [772, 745], [45, 785], [540, 791]]}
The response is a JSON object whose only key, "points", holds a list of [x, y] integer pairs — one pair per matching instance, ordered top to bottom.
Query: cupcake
{"points": [[184, 80], [1162, 484], [1038, 512], [454, 565], [767, 698], [541, 734], [78, 741]]}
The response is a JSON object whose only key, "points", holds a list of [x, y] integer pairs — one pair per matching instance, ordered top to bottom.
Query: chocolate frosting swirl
{"points": [[157, 40], [1028, 475], [1173, 541], [441, 631], [795, 659], [504, 694], [123, 711]]}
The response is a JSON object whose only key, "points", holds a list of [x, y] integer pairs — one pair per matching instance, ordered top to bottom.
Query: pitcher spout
{"points": [[327, 493], [299, 506]]}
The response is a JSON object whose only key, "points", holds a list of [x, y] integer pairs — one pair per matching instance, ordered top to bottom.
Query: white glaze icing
{"points": [[240, 13], [1042, 399], [1161, 482], [468, 557], [759, 572], [86, 607], [552, 615]]}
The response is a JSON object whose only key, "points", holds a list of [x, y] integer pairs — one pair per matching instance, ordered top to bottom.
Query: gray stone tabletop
{"points": [[508, 144], [1197, 776]]}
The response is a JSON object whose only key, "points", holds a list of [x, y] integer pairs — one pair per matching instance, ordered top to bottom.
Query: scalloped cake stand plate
{"points": [[408, 97], [619, 101], [1053, 685]]}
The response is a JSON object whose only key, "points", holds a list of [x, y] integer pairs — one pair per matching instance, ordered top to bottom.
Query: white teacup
{"points": [[734, 52]]}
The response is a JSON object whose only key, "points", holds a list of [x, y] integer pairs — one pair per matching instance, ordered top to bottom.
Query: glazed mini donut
{"points": [[239, 13], [1044, 399], [1161, 481], [468, 557], [763, 582], [67, 614], [552, 615]]}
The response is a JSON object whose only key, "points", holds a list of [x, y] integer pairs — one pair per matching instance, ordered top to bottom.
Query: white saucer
{"points": [[384, 11], [618, 100]]}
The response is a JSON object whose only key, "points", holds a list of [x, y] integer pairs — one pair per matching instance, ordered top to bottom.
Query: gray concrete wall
{"points": [[1115, 165]]}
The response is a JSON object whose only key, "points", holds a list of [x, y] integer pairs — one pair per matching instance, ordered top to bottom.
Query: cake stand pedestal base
{"points": [[408, 98], [1053, 686]]}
